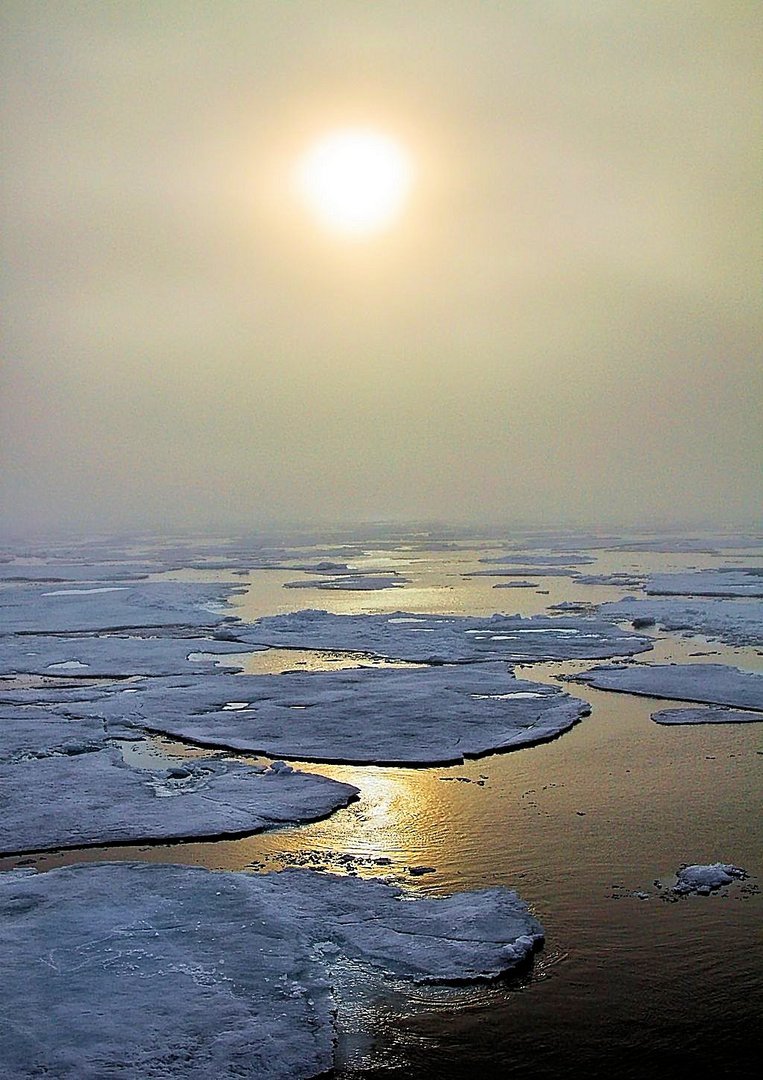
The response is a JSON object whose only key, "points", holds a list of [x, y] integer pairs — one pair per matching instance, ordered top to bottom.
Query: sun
{"points": [[354, 181]]}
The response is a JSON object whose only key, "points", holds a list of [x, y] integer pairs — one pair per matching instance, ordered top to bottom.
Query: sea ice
{"points": [[530, 557], [20, 570], [525, 570], [622, 580], [351, 582], [723, 582], [137, 605], [735, 622], [442, 639], [111, 655], [716, 684], [712, 715], [409, 716], [27, 733], [94, 797], [704, 879], [143, 970]]}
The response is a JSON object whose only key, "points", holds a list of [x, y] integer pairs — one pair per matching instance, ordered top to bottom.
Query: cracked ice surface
{"points": [[725, 582], [41, 610], [735, 622], [446, 638], [110, 655], [716, 684], [429, 715], [714, 715], [27, 733], [94, 797], [151, 971]]}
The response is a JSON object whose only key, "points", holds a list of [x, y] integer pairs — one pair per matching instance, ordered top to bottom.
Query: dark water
{"points": [[578, 826]]}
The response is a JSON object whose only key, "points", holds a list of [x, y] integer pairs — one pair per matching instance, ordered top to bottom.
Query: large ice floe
{"points": [[23, 570], [722, 582], [73, 608], [735, 622], [446, 638], [112, 655], [715, 684], [715, 714], [406, 716], [77, 794], [147, 971]]}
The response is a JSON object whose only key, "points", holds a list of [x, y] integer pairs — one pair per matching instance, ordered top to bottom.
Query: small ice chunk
{"points": [[704, 879]]}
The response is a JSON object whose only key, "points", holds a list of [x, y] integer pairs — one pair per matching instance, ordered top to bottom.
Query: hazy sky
{"points": [[563, 327]]}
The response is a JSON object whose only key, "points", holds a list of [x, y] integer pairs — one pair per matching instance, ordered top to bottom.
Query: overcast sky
{"points": [[563, 327]]}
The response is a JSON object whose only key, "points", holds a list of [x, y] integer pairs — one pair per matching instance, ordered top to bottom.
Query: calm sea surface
{"points": [[578, 826]]}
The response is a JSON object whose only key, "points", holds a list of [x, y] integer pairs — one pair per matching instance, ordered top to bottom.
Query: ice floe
{"points": [[528, 558], [21, 570], [525, 570], [621, 580], [352, 582], [723, 582], [138, 605], [735, 622], [446, 638], [111, 655], [715, 684], [428, 715], [711, 715], [29, 733], [92, 796], [706, 879], [144, 970]]}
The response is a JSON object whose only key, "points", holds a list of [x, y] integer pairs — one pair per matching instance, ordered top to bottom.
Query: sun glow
{"points": [[355, 181]]}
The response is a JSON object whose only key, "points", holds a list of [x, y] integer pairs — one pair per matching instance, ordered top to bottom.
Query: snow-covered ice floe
{"points": [[532, 558], [53, 570], [525, 570], [621, 580], [728, 582], [352, 583], [132, 605], [735, 622], [446, 638], [113, 656], [716, 684], [716, 714], [405, 716], [76, 796], [705, 879], [142, 970]]}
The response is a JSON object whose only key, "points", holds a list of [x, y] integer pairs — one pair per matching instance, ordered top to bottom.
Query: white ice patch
{"points": [[86, 592], [67, 665]]}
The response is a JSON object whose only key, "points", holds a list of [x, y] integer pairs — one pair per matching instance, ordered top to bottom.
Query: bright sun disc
{"points": [[354, 181]]}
